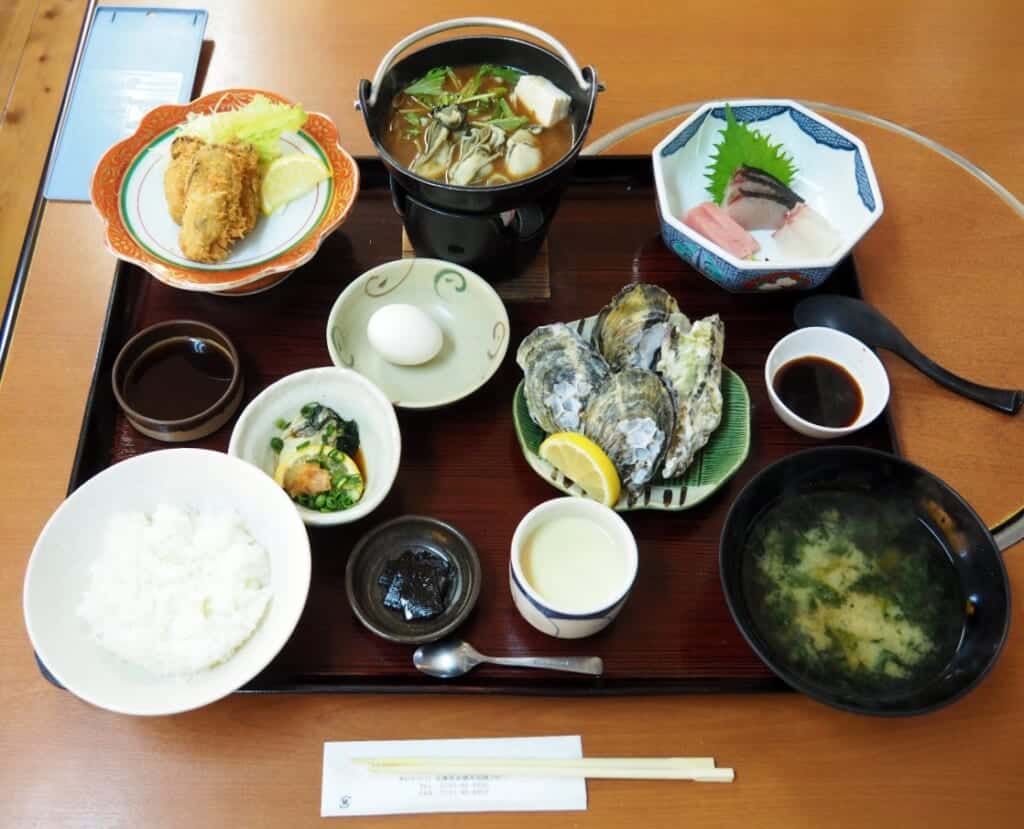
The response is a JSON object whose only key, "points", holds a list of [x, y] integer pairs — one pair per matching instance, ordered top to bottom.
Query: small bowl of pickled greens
{"points": [[328, 437], [319, 459], [413, 579], [863, 581]]}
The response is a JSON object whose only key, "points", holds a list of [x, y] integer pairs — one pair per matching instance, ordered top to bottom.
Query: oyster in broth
{"points": [[630, 329], [690, 361], [562, 371], [632, 420]]}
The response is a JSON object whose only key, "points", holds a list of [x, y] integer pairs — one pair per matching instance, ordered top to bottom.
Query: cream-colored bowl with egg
{"points": [[427, 332], [572, 567]]}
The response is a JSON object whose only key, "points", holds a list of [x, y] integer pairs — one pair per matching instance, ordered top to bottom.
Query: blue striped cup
{"points": [[545, 614]]}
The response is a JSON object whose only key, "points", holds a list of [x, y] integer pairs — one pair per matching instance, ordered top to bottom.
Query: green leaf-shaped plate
{"points": [[718, 461]]}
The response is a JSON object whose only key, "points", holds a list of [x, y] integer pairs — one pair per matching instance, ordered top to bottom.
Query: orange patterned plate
{"points": [[127, 190]]}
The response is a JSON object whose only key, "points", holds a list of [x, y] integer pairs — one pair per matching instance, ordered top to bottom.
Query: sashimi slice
{"points": [[757, 200], [756, 212], [713, 223], [806, 234]]}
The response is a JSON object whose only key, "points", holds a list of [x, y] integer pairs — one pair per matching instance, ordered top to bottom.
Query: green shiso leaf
{"points": [[742, 145]]}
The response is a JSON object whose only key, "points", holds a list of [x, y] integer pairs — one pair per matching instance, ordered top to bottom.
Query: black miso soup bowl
{"points": [[967, 541]]}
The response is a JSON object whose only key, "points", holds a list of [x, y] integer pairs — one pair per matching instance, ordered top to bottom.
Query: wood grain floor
{"points": [[37, 46]]}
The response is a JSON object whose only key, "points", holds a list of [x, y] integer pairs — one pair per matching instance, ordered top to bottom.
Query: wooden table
{"points": [[938, 262]]}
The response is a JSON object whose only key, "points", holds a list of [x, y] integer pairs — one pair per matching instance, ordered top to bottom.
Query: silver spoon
{"points": [[454, 657]]}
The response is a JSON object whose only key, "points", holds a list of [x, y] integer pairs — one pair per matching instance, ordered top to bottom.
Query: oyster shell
{"points": [[630, 329], [691, 364], [562, 371], [632, 420]]}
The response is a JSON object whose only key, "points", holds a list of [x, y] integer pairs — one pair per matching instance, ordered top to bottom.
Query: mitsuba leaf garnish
{"points": [[506, 73], [430, 85], [509, 124], [742, 145]]}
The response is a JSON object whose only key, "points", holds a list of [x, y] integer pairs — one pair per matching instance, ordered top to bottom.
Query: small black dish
{"points": [[385, 544]]}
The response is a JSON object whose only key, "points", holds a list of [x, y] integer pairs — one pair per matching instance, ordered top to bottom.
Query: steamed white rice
{"points": [[177, 591]]}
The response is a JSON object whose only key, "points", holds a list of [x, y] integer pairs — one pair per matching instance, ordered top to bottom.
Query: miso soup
{"points": [[467, 126], [853, 590]]}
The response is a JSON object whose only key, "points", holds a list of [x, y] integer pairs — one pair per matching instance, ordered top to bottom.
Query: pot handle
{"points": [[463, 22], [1010, 532]]}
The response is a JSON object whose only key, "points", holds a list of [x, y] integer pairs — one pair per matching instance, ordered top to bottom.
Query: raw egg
{"points": [[404, 335]]}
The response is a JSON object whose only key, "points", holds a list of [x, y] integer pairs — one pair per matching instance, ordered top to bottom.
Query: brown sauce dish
{"points": [[178, 381]]}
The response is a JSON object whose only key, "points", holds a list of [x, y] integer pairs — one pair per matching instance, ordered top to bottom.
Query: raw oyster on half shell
{"points": [[630, 329], [690, 362], [562, 372], [632, 420]]}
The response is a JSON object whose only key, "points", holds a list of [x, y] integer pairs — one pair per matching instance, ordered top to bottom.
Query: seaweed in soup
{"points": [[852, 589]]}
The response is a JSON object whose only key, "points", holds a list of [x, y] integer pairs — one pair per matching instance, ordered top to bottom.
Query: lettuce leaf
{"points": [[261, 123]]}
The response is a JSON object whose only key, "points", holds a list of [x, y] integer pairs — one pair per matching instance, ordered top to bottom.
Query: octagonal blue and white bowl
{"points": [[834, 176]]}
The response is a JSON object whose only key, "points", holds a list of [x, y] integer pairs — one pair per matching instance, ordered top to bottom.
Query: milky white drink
{"points": [[574, 565]]}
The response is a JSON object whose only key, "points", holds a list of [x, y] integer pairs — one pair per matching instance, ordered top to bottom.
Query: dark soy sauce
{"points": [[178, 378], [819, 391]]}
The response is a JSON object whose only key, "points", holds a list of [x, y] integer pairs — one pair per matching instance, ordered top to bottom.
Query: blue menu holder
{"points": [[134, 59]]}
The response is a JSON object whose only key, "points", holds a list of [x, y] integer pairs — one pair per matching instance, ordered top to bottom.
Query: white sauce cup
{"points": [[839, 347]]}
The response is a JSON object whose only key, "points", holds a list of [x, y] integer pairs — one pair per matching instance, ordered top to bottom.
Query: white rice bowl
{"points": [[226, 497]]}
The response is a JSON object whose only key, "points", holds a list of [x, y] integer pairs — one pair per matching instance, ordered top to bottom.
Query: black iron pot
{"points": [[534, 199], [970, 546]]}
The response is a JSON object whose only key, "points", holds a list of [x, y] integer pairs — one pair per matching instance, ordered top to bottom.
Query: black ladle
{"points": [[868, 325]]}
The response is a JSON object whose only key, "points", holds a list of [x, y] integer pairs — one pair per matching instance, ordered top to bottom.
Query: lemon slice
{"points": [[289, 177], [580, 459]]}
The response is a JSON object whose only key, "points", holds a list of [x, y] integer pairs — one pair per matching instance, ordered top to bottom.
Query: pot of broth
{"points": [[479, 135], [864, 581]]}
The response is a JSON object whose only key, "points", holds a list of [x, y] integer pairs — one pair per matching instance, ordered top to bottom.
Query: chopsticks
{"points": [[696, 769]]}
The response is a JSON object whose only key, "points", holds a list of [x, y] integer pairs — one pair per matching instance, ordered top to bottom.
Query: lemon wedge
{"points": [[288, 177], [585, 463]]}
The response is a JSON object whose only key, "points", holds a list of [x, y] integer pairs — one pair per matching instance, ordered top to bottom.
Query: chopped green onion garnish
{"points": [[281, 423], [276, 444], [302, 446]]}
